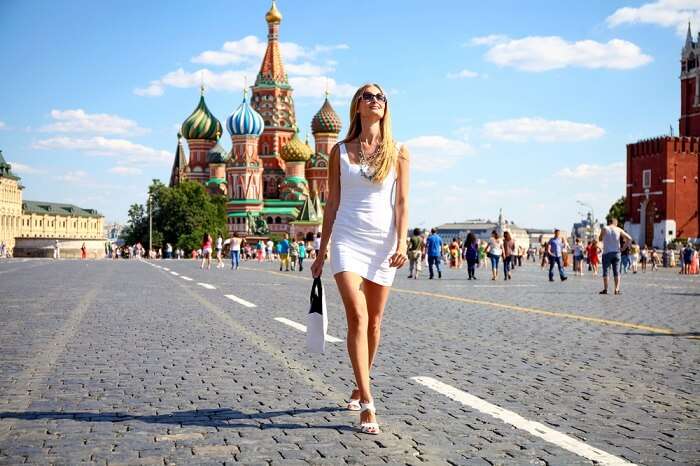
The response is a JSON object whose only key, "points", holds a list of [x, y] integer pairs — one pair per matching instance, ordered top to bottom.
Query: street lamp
{"points": [[150, 227]]}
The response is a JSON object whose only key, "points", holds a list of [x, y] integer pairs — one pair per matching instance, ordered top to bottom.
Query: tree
{"points": [[619, 211], [181, 216]]}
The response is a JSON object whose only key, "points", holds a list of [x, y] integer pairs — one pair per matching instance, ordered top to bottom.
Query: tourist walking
{"points": [[368, 232], [610, 236], [235, 245], [415, 246], [433, 246], [283, 247], [494, 249], [56, 250], [219, 250], [83, 251], [206, 251], [592, 252], [634, 252], [293, 254], [302, 254], [471, 254], [554, 254], [508, 255], [625, 255], [578, 257], [644, 257]]}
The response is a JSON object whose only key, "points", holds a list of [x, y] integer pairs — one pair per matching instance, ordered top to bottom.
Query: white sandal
{"points": [[354, 403], [371, 428]]}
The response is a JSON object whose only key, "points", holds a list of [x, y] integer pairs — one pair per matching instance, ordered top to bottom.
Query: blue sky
{"points": [[525, 106]]}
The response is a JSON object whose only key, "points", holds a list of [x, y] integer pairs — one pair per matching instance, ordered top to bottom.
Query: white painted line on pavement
{"points": [[166, 269], [174, 273], [186, 278], [206, 285], [504, 286], [240, 300], [302, 328], [535, 428]]}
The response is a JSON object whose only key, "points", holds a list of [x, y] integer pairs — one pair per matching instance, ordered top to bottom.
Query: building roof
{"points": [[271, 69], [326, 120], [245, 121], [201, 124], [6, 169], [55, 208], [290, 211], [468, 226]]}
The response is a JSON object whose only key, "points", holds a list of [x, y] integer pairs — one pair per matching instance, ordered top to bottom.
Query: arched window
{"points": [[269, 220], [278, 220]]}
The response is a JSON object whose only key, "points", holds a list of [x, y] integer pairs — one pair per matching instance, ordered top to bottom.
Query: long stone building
{"points": [[32, 228]]}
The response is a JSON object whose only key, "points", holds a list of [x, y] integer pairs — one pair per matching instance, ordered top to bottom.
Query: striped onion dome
{"points": [[326, 120], [245, 121], [201, 124], [296, 150], [217, 154]]}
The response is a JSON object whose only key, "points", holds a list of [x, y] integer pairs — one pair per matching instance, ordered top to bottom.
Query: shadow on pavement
{"points": [[682, 294], [656, 334], [204, 417]]}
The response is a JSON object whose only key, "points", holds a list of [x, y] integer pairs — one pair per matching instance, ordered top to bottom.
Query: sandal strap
{"points": [[368, 407]]}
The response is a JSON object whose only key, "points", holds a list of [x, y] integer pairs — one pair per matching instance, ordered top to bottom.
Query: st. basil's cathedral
{"points": [[275, 182]]}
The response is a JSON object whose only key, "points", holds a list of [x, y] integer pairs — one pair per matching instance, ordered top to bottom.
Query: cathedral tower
{"points": [[272, 99], [689, 122], [325, 127], [202, 130], [179, 170]]}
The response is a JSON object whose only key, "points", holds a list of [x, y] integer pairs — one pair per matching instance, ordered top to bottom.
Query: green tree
{"points": [[619, 211], [185, 212], [136, 229]]}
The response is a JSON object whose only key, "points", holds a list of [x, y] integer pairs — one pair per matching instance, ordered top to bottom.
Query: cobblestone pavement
{"points": [[123, 362]]}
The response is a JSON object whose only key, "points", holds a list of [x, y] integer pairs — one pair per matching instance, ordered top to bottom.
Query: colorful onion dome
{"points": [[273, 15], [326, 120], [245, 121], [201, 124], [295, 150], [217, 154], [318, 160]]}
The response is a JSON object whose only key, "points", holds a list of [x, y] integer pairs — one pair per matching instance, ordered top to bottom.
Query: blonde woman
{"points": [[369, 222]]}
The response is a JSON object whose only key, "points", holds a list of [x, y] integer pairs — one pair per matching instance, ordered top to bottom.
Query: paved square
{"points": [[123, 362]]}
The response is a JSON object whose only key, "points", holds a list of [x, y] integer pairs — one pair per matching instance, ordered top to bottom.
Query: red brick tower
{"points": [[272, 98], [689, 122], [662, 173]]}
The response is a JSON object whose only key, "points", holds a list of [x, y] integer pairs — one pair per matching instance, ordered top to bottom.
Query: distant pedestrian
{"points": [[610, 236], [235, 245], [433, 247], [494, 249], [56, 250], [219, 250], [83, 251], [206, 251], [592, 252], [284, 253], [414, 253], [293, 254], [302, 254], [471, 254], [554, 254], [508, 255], [578, 257]]}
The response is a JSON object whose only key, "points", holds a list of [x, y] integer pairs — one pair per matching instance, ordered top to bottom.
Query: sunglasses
{"points": [[369, 97]]}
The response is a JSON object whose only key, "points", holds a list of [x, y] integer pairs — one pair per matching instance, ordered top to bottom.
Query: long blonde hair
{"points": [[387, 155]]}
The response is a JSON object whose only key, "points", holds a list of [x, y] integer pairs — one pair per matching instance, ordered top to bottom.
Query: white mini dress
{"points": [[364, 233]]}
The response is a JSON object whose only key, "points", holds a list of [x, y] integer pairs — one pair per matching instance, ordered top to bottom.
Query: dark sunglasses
{"points": [[369, 97]]}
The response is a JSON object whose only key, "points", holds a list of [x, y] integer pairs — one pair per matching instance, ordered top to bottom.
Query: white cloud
{"points": [[665, 13], [491, 39], [251, 49], [538, 53], [301, 64], [463, 74], [315, 86], [78, 121], [2, 125], [541, 130], [98, 145], [434, 153], [26, 169], [122, 170], [593, 171], [72, 176]]}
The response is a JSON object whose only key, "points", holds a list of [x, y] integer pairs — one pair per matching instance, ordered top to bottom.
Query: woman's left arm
{"points": [[401, 208]]}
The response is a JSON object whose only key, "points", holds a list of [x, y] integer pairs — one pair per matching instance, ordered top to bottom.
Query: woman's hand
{"points": [[399, 258], [317, 266]]}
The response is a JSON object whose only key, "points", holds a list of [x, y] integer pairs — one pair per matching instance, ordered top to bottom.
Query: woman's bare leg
{"points": [[349, 287]]}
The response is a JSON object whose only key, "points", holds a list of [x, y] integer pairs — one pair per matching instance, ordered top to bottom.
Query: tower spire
{"points": [[689, 37]]}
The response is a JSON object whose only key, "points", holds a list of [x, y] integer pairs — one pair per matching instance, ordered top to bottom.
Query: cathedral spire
{"points": [[689, 38], [271, 69]]}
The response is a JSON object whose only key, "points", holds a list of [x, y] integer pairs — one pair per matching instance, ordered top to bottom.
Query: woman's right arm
{"points": [[332, 204]]}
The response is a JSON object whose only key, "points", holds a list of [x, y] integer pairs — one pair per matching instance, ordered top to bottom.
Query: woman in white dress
{"points": [[367, 214]]}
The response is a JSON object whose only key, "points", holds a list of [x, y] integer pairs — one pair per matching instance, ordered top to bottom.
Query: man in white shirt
{"points": [[610, 237]]}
